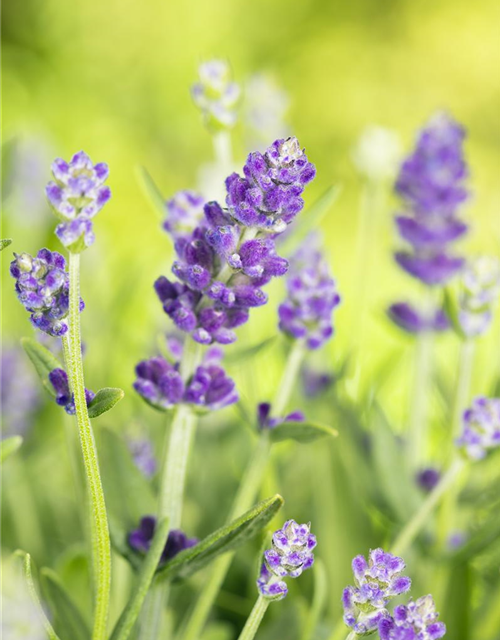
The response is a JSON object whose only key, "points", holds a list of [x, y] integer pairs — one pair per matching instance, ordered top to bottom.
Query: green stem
{"points": [[222, 149], [420, 399], [172, 483], [245, 497], [421, 517], [101, 552], [254, 619]]}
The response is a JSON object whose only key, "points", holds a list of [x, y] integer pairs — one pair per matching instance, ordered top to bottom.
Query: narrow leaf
{"points": [[151, 191], [310, 220], [4, 243], [452, 311], [240, 355], [43, 360], [105, 399], [301, 431], [9, 446], [224, 539], [26, 558], [131, 612], [70, 621]]}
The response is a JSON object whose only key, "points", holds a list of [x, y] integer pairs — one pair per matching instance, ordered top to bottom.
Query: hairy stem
{"points": [[245, 497], [421, 517], [101, 552], [254, 619]]}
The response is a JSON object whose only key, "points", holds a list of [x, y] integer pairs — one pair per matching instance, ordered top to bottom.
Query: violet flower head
{"points": [[216, 95], [431, 186], [184, 214], [223, 265], [42, 286], [480, 290], [306, 314], [415, 321], [58, 378], [316, 382], [209, 388], [20, 395], [265, 421], [481, 427], [143, 455], [428, 478], [140, 539], [291, 554], [377, 581], [418, 620]]}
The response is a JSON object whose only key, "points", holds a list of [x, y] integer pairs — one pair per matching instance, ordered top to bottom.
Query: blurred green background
{"points": [[112, 77]]}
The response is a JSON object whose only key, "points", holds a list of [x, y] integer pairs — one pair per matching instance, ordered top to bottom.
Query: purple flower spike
{"points": [[216, 95], [431, 186], [76, 195], [184, 214], [224, 260], [42, 286], [479, 292], [312, 296], [411, 320], [59, 380], [159, 383], [210, 388], [481, 427], [143, 456], [427, 479], [140, 539], [290, 555], [377, 580], [416, 621]]}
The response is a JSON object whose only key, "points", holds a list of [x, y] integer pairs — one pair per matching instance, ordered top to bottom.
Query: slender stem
{"points": [[222, 149], [462, 390], [420, 399], [172, 483], [245, 496], [420, 519], [101, 552], [254, 619]]}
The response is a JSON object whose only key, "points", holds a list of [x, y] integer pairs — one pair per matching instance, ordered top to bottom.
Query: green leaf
{"points": [[151, 191], [310, 220], [4, 243], [240, 355], [43, 360], [105, 399], [301, 431], [9, 446], [486, 535], [225, 539], [26, 558], [456, 609], [131, 612], [68, 619]]}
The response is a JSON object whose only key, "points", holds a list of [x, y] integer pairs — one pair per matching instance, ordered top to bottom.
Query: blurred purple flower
{"points": [[216, 95], [184, 214], [479, 292], [307, 312], [411, 320], [316, 382], [20, 395], [265, 421], [481, 427], [143, 455], [428, 478], [140, 539], [291, 554]]}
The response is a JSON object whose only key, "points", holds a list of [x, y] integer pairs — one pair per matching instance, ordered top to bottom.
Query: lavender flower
{"points": [[216, 95], [430, 184], [76, 196], [184, 214], [224, 264], [42, 286], [480, 289], [312, 296], [415, 321], [316, 382], [209, 388], [20, 396], [64, 398], [265, 421], [481, 427], [143, 456], [428, 478], [140, 539], [290, 555], [377, 581], [415, 621]]}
